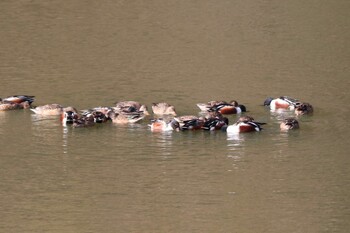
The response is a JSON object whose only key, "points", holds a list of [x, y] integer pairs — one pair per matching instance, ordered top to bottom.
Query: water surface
{"points": [[113, 178]]}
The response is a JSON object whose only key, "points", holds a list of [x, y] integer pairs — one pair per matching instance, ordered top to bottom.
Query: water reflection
{"points": [[281, 114], [3, 119], [44, 121], [47, 134], [65, 139], [234, 140], [164, 141], [283, 142], [235, 146]]}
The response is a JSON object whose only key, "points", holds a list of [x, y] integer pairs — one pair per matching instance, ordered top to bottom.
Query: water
{"points": [[114, 178]]}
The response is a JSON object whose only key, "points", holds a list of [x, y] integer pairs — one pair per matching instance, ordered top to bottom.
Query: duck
{"points": [[18, 99], [16, 102], [283, 102], [12, 106], [131, 106], [205, 107], [228, 108], [48, 109], [52, 109], [163, 109], [303, 109], [104, 110], [99, 114], [68, 117], [126, 117], [245, 118], [84, 121], [215, 121], [190, 122], [244, 124], [289, 124], [159, 125]]}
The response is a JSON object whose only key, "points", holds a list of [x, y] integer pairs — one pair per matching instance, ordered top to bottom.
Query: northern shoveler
{"points": [[18, 99], [16, 102], [283, 102], [12, 106], [130, 107], [205, 107], [225, 108], [304, 108], [48, 109], [52, 109], [163, 109], [104, 110], [98, 116], [68, 117], [125, 117], [245, 119], [84, 121], [215, 121], [190, 122], [289, 123], [160, 124], [244, 124]]}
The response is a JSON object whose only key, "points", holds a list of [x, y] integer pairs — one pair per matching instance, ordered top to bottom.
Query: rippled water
{"points": [[114, 178]]}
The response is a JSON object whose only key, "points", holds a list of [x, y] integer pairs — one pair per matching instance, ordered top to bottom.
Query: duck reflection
{"points": [[281, 114], [2, 120], [45, 121], [47, 134], [235, 139], [65, 140], [164, 141], [235, 149]]}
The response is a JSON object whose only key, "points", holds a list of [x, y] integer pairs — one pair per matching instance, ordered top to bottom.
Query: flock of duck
{"points": [[166, 119]]}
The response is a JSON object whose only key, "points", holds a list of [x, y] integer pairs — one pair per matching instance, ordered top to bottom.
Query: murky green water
{"points": [[114, 178]]}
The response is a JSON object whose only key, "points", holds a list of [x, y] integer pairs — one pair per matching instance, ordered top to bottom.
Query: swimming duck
{"points": [[18, 99], [16, 102], [283, 102], [13, 106], [131, 106], [204, 107], [226, 108], [48, 109], [52, 109], [163, 109], [303, 109], [104, 110], [101, 116], [68, 117], [125, 117], [245, 119], [84, 121], [215, 121], [190, 122], [289, 123], [160, 124], [244, 124]]}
